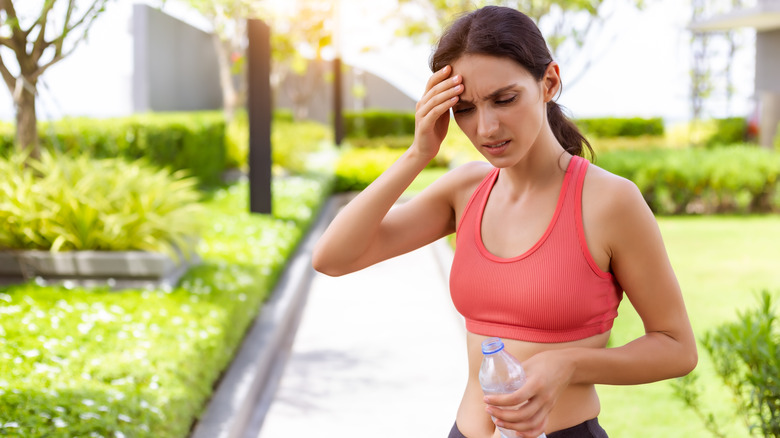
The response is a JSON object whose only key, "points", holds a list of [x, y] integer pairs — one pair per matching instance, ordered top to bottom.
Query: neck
{"points": [[544, 164]]}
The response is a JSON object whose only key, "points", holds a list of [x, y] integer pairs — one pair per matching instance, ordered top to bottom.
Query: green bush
{"points": [[378, 123], [609, 127], [728, 131], [777, 139], [192, 141], [388, 141], [292, 143], [357, 168], [731, 179], [64, 203], [746, 355], [142, 363]]}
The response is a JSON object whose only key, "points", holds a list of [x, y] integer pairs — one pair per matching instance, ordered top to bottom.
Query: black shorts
{"points": [[587, 429]]}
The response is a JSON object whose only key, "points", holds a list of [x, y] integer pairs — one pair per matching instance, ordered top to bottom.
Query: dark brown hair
{"points": [[507, 33]]}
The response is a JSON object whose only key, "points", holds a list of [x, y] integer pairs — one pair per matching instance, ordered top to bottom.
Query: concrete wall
{"points": [[175, 64], [378, 92]]}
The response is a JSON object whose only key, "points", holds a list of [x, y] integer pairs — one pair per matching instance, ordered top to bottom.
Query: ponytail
{"points": [[566, 132]]}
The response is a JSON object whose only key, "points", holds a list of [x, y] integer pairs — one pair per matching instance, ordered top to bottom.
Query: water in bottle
{"points": [[500, 373]]}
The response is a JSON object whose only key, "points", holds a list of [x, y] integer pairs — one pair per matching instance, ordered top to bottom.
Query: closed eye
{"points": [[506, 101], [465, 110]]}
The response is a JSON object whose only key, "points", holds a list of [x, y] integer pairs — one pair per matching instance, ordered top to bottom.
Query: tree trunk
{"points": [[229, 93], [27, 122]]}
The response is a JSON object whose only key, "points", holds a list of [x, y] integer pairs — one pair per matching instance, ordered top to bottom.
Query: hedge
{"points": [[378, 123], [608, 127], [192, 141], [734, 179]]}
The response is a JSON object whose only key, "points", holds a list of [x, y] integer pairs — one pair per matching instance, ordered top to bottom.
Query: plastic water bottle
{"points": [[500, 373]]}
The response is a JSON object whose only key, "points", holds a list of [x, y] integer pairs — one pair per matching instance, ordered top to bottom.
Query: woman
{"points": [[546, 243]]}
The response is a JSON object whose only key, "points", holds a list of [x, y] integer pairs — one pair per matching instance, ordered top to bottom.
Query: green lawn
{"points": [[721, 263]]}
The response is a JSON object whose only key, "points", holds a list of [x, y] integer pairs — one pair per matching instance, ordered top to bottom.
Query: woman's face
{"points": [[502, 108]]}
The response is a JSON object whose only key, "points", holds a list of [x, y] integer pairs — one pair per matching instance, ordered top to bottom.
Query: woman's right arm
{"points": [[368, 230]]}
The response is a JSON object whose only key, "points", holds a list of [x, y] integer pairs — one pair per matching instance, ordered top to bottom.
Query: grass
{"points": [[721, 263]]}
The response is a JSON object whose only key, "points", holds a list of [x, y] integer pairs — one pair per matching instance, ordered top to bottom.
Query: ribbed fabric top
{"points": [[554, 292]]}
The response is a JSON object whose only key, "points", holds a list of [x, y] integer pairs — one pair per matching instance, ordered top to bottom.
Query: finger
{"points": [[437, 77], [445, 85], [447, 96], [436, 112], [506, 400]]}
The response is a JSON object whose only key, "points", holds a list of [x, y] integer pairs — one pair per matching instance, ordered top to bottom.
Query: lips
{"points": [[496, 145], [496, 148]]}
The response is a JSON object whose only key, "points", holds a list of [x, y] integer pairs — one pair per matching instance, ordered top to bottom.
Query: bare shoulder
{"points": [[461, 181], [608, 194], [614, 212]]}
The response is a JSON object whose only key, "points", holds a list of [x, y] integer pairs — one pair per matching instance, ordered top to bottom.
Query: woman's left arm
{"points": [[630, 235], [639, 261]]}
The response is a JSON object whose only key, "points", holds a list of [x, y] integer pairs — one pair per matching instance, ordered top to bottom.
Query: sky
{"points": [[641, 63]]}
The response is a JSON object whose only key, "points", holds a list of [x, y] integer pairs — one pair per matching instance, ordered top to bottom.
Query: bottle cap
{"points": [[492, 345]]}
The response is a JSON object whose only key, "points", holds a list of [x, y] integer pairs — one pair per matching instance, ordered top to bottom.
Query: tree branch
{"points": [[86, 20], [18, 36], [40, 42], [8, 78]]}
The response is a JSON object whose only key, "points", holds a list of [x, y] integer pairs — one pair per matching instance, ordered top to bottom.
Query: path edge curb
{"points": [[232, 409]]}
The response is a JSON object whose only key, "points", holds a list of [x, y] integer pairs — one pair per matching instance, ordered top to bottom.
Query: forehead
{"points": [[485, 74]]}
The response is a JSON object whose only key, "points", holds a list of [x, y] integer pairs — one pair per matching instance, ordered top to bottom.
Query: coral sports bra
{"points": [[554, 292]]}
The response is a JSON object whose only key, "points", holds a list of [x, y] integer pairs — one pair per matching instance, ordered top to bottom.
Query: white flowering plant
{"points": [[142, 363]]}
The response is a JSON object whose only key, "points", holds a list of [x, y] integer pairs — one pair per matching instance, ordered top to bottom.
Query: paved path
{"points": [[378, 353]]}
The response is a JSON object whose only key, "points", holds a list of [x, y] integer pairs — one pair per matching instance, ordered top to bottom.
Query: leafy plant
{"points": [[64, 203], [746, 355], [142, 363]]}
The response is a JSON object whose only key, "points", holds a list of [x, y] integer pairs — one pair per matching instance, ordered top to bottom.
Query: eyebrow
{"points": [[494, 94]]}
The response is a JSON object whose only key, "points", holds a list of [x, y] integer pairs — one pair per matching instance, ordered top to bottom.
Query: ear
{"points": [[551, 81]]}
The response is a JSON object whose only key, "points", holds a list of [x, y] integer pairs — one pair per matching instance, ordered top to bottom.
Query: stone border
{"points": [[117, 269], [244, 393]]}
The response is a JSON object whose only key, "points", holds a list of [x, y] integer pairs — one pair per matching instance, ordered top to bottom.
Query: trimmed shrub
{"points": [[378, 123], [609, 127], [728, 131], [192, 141], [291, 142], [357, 168], [742, 179]]}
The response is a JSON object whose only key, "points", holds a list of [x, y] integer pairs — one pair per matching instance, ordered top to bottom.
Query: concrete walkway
{"points": [[378, 353]]}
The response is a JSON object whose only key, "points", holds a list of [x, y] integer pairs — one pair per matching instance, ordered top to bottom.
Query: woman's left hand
{"points": [[526, 410]]}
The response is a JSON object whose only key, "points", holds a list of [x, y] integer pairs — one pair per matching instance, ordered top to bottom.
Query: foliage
{"points": [[566, 24], [44, 41], [378, 123], [610, 127], [728, 131], [182, 141], [390, 141], [292, 143], [357, 168], [677, 181], [63, 203], [746, 355], [78, 362]]}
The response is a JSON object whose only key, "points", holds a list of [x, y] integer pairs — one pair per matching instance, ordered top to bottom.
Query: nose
{"points": [[487, 125]]}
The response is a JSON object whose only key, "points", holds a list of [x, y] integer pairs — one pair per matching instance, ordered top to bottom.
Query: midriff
{"points": [[577, 403]]}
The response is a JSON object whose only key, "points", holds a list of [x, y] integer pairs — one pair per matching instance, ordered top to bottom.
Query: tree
{"points": [[228, 18], [567, 24], [37, 42]]}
